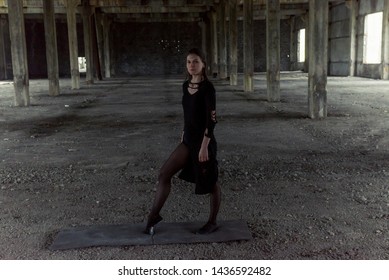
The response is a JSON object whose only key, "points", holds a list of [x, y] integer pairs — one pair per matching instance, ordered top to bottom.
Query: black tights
{"points": [[175, 163]]}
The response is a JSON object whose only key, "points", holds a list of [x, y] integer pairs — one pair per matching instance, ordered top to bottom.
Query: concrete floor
{"points": [[308, 189]]}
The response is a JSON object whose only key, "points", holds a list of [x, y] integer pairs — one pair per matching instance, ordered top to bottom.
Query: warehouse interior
{"points": [[91, 107]]}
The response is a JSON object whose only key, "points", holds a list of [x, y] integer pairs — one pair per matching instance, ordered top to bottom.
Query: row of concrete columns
{"points": [[96, 40], [385, 45], [316, 47], [318, 50], [3, 66]]}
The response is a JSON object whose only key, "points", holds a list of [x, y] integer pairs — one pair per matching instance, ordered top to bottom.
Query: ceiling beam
{"points": [[184, 7], [152, 9]]}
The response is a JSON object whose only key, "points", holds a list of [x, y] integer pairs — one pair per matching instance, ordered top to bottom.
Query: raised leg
{"points": [[175, 163]]}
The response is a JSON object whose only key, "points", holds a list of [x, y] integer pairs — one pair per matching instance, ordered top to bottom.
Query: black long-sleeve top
{"points": [[199, 113], [199, 120]]}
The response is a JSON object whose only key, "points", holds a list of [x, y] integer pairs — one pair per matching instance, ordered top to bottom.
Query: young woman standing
{"points": [[195, 156]]}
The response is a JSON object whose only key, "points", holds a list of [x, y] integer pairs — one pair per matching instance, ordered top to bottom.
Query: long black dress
{"points": [[199, 117]]}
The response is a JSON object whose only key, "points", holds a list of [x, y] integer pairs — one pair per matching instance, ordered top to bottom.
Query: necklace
{"points": [[195, 85]]}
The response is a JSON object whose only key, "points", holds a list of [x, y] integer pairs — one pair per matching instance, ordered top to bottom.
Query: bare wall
{"points": [[367, 7], [339, 41], [152, 48]]}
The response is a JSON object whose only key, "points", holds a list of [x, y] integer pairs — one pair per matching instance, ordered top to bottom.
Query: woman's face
{"points": [[194, 65]]}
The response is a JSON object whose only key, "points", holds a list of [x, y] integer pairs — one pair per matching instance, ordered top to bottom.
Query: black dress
{"points": [[199, 116]]}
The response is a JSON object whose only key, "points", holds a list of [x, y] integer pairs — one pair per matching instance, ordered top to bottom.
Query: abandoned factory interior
{"points": [[92, 102]]}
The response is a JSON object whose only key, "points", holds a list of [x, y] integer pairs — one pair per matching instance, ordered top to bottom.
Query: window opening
{"points": [[373, 38], [301, 45], [82, 64]]}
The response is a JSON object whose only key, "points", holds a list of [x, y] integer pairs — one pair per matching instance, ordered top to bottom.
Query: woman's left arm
{"points": [[210, 105]]}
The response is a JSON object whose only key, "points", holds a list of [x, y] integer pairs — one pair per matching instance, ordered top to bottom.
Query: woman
{"points": [[195, 156]]}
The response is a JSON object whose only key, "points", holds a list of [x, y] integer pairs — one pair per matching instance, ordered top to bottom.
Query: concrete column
{"points": [[71, 6], [354, 8], [273, 19], [87, 27], [203, 29], [100, 38], [307, 38], [222, 40], [385, 42], [214, 43], [208, 44], [248, 45], [293, 45], [51, 47], [95, 48], [233, 50], [18, 52], [107, 54], [318, 56], [3, 63]]}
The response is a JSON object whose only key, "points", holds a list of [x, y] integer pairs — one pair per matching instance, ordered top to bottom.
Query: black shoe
{"points": [[151, 222], [207, 228]]}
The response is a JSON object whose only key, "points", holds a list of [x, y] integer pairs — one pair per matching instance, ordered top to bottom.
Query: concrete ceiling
{"points": [[163, 10]]}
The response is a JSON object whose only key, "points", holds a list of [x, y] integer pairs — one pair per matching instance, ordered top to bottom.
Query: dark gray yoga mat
{"points": [[132, 234]]}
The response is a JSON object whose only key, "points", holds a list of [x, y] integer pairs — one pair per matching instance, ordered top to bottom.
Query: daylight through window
{"points": [[373, 38], [301, 45], [82, 64]]}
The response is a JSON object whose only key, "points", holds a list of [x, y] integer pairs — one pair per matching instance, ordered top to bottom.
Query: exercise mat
{"points": [[132, 234]]}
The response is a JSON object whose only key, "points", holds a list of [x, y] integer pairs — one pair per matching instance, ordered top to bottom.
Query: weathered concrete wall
{"points": [[367, 7], [299, 23], [339, 41], [285, 45], [63, 46], [260, 46], [339, 46], [36, 48], [141, 48], [152, 48], [159, 48], [63, 49], [8, 75]]}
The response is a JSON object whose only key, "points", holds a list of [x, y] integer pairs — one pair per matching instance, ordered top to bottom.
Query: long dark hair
{"points": [[200, 54]]}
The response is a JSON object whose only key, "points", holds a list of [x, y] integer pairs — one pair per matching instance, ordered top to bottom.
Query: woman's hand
{"points": [[203, 154]]}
